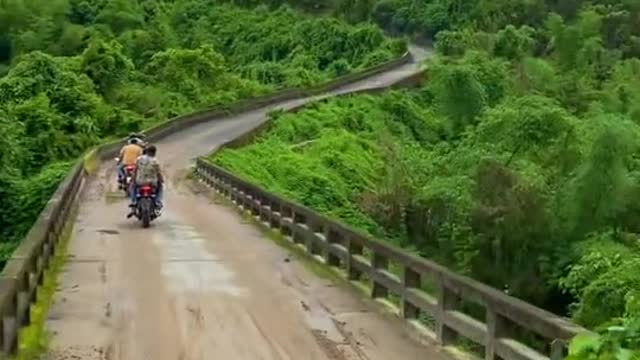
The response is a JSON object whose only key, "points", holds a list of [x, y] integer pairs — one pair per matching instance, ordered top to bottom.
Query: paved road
{"points": [[201, 284]]}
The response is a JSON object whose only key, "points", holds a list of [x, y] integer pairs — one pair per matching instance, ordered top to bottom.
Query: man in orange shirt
{"points": [[128, 156]]}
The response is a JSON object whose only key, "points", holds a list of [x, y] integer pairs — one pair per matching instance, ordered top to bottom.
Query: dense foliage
{"points": [[428, 19], [73, 72], [517, 163]]}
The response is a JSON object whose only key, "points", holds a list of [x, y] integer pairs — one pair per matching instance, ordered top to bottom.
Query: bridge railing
{"points": [[25, 269], [396, 274]]}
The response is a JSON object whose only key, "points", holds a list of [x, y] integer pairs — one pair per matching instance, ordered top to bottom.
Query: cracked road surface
{"points": [[201, 283]]}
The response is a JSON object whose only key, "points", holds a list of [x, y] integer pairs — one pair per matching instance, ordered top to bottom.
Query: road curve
{"points": [[202, 284]]}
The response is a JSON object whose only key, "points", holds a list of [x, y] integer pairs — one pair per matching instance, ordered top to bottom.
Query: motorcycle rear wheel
{"points": [[145, 211]]}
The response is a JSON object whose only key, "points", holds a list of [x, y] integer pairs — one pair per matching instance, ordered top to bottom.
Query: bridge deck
{"points": [[201, 283]]}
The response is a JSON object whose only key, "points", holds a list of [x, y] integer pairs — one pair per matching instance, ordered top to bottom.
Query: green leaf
{"points": [[584, 343]]}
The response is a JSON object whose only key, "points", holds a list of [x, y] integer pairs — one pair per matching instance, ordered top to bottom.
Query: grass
{"points": [[34, 339]]}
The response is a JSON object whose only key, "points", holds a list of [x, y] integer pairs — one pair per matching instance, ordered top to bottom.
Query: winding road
{"points": [[201, 283]]}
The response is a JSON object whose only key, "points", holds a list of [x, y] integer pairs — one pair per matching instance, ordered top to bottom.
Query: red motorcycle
{"points": [[146, 205]]}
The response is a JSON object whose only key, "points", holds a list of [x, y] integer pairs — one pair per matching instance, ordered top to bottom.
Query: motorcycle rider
{"points": [[128, 156], [147, 172]]}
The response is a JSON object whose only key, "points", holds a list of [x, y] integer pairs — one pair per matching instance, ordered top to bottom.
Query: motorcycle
{"points": [[125, 182], [146, 210]]}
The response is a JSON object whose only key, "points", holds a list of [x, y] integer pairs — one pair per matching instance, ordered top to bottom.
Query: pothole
{"points": [[108, 231]]}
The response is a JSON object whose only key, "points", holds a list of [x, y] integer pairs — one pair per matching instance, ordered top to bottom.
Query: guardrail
{"points": [[339, 246], [24, 271]]}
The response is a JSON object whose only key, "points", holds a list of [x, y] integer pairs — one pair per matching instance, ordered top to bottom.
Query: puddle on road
{"points": [[189, 266]]}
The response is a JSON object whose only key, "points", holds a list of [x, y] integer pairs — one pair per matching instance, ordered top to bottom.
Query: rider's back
{"points": [[130, 154], [147, 171]]}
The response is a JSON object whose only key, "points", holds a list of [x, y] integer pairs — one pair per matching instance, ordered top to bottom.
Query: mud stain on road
{"points": [[189, 266], [330, 334]]}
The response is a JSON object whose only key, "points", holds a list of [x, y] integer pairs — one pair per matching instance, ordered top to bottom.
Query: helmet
{"points": [[136, 135], [135, 139]]}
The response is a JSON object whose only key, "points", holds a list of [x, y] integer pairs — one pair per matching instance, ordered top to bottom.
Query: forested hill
{"points": [[426, 18], [73, 72], [516, 164]]}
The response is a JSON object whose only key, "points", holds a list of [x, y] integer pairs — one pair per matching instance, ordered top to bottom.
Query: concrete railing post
{"points": [[276, 214], [298, 219], [333, 237], [355, 249], [411, 280], [378, 290], [447, 300], [495, 329], [558, 348]]}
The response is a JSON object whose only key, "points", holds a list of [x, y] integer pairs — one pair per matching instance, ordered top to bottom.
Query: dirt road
{"points": [[200, 284]]}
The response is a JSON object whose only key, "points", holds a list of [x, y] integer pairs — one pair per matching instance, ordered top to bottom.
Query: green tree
{"points": [[120, 15], [514, 44], [105, 63], [459, 95], [601, 183]]}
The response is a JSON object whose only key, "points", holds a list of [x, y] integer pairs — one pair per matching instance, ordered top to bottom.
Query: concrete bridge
{"points": [[205, 283]]}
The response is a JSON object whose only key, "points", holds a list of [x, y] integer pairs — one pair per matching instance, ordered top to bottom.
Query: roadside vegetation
{"points": [[74, 72], [516, 164]]}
